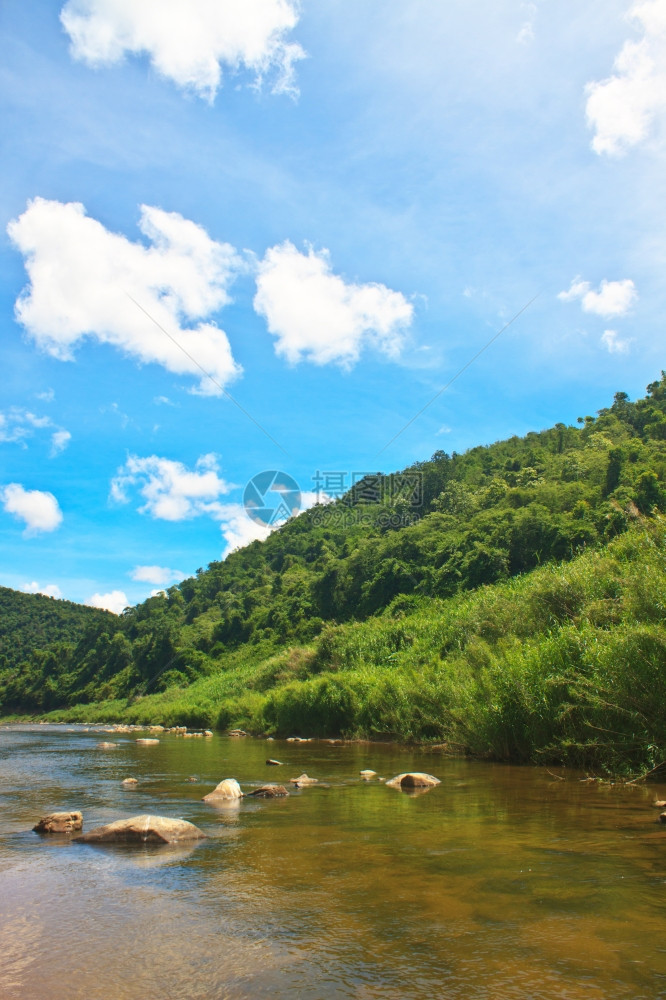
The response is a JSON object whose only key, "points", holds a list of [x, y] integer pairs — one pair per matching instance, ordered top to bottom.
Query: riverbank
{"points": [[565, 665]]}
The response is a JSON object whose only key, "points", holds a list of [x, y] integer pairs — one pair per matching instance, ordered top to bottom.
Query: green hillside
{"points": [[508, 601], [30, 622]]}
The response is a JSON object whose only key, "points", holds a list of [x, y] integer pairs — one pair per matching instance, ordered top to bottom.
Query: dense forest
{"points": [[508, 601], [30, 622]]}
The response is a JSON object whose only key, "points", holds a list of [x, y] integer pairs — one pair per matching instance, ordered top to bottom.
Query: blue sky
{"points": [[324, 209]]}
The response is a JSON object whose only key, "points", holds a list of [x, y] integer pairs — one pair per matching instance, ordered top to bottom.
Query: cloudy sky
{"points": [[248, 235]]}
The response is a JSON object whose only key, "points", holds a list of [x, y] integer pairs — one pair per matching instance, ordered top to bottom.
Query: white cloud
{"points": [[526, 34], [188, 41], [622, 109], [82, 277], [613, 298], [316, 316], [613, 343], [47, 396], [17, 424], [59, 441], [172, 491], [39, 510], [238, 529], [156, 574], [50, 590], [115, 601]]}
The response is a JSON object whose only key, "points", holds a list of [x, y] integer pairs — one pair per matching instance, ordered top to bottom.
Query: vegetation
{"points": [[508, 602], [30, 622]]}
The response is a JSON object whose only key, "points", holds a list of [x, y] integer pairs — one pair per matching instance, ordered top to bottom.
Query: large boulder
{"points": [[413, 779], [227, 789], [268, 792], [63, 822], [143, 830]]}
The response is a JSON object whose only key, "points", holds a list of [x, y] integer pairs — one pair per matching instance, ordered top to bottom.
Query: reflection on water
{"points": [[499, 883]]}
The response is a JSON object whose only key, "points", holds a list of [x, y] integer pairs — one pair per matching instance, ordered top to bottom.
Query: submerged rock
{"points": [[147, 741], [106, 746], [368, 774], [413, 779], [304, 780], [130, 781], [227, 789], [268, 792], [662, 818], [63, 822], [143, 830]]}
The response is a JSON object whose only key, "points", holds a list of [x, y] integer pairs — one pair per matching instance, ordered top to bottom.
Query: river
{"points": [[500, 883]]}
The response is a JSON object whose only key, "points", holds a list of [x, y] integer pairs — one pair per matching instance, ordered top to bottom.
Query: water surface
{"points": [[500, 883]]}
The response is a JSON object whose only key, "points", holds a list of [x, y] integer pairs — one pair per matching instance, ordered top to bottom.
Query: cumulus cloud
{"points": [[189, 41], [622, 109], [86, 281], [613, 298], [318, 317], [615, 344], [171, 491], [39, 510], [238, 529], [161, 575], [50, 590], [115, 601]]}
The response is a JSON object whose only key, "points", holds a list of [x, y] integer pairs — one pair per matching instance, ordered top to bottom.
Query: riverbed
{"points": [[500, 883]]}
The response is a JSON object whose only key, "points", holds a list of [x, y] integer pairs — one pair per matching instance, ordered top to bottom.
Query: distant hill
{"points": [[29, 622]]}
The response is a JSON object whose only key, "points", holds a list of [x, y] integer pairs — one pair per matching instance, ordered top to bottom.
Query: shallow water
{"points": [[500, 883]]}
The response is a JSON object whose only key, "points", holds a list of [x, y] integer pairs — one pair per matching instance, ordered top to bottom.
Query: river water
{"points": [[500, 883]]}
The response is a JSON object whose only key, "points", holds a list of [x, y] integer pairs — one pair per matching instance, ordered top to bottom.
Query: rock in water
{"points": [[147, 741], [106, 746], [273, 763], [368, 774], [413, 779], [304, 780], [130, 781], [227, 789], [268, 792], [64, 822], [143, 830]]}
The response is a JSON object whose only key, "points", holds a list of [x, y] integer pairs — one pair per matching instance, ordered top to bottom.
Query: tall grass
{"points": [[565, 664]]}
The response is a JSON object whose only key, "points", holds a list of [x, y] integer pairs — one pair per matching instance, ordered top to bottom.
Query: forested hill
{"points": [[279, 612], [29, 622]]}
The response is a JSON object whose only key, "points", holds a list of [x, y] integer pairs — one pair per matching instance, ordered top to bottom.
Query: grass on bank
{"points": [[566, 664]]}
